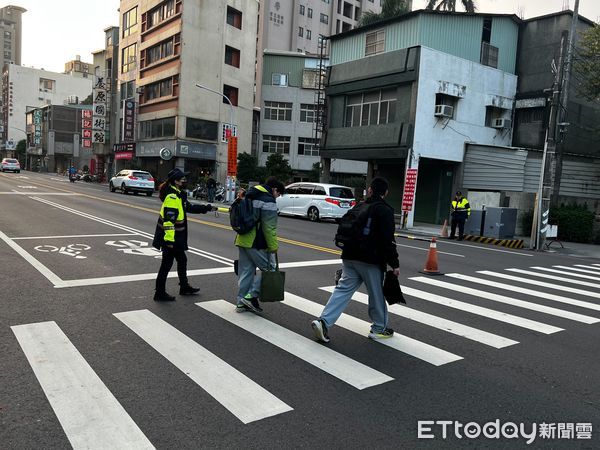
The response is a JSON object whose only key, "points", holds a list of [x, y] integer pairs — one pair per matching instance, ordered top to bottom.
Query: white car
{"points": [[10, 164], [132, 181], [316, 200]]}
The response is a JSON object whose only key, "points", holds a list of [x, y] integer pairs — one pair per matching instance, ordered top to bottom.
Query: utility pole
{"points": [[564, 105], [542, 210]]}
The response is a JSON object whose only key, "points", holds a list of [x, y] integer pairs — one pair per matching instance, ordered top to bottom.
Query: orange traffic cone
{"points": [[444, 232], [431, 265]]}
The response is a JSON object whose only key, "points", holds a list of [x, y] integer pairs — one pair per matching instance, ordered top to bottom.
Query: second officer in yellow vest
{"points": [[461, 210]]}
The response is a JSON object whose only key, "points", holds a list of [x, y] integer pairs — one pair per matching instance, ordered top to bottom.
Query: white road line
{"points": [[40, 193], [73, 236], [427, 249], [595, 270], [567, 271], [191, 273], [51, 276], [554, 277], [557, 287], [533, 293], [509, 300], [481, 311], [465, 331], [404, 344], [352, 372], [235, 391], [88, 412]]}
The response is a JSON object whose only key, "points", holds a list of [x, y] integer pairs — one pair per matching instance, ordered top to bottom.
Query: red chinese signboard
{"points": [[124, 155], [232, 156], [410, 184]]}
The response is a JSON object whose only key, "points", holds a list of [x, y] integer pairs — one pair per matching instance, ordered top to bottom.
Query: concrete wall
{"points": [[441, 138]]}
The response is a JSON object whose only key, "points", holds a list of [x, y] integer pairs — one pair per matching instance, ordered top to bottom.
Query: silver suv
{"points": [[132, 181]]}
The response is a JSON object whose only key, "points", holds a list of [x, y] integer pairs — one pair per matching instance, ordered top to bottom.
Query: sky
{"points": [[54, 31]]}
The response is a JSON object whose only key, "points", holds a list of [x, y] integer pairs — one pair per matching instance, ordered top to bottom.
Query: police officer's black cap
{"points": [[177, 174], [458, 193]]}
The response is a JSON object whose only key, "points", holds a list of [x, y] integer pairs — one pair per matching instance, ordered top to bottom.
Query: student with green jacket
{"points": [[258, 247]]}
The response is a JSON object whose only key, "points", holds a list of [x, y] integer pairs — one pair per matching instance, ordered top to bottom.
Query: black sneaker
{"points": [[188, 290], [163, 297], [252, 304], [320, 330], [385, 334]]}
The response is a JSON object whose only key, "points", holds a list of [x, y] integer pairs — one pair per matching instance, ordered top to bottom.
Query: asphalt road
{"points": [[90, 361]]}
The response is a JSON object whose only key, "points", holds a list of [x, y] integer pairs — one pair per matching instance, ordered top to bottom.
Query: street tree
{"points": [[450, 5], [389, 8], [587, 64], [21, 152], [278, 166], [247, 169]]}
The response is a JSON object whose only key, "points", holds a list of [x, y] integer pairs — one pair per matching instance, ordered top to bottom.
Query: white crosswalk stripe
{"points": [[593, 266], [581, 268], [567, 271], [557, 278], [538, 283], [531, 292], [508, 300], [481, 311], [465, 331], [405, 344], [346, 369], [248, 401], [88, 412]]}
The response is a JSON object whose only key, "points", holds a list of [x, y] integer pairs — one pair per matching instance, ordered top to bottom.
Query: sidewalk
{"points": [[570, 248]]}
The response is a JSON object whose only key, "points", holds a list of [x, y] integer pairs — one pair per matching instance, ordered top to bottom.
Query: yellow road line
{"points": [[191, 219]]}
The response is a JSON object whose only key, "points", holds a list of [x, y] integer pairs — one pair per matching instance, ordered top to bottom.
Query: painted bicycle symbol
{"points": [[73, 250]]}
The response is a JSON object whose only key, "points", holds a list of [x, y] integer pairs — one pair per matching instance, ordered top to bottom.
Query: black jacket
{"points": [[169, 213], [382, 249]]}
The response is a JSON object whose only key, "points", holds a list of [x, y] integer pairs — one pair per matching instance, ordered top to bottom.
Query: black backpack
{"points": [[241, 215], [354, 229]]}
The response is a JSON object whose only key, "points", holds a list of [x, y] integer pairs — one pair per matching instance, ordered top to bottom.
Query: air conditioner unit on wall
{"points": [[443, 111], [501, 123]]}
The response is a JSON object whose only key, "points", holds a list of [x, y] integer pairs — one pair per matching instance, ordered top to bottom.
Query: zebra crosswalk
{"points": [[91, 416]]}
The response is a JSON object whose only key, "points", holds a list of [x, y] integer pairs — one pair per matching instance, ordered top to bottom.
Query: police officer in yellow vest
{"points": [[461, 210], [171, 233]]}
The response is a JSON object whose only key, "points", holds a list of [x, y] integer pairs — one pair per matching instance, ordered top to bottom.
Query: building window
{"points": [[325, 1], [302, 9], [310, 13], [234, 17], [324, 18], [130, 22], [300, 31], [308, 34], [7, 35], [109, 40], [375, 42], [7, 45], [160, 51], [7, 54], [489, 55], [232, 56], [128, 58], [279, 79], [47, 85], [163, 88], [127, 90], [231, 93], [445, 100], [370, 108], [278, 111], [308, 112], [530, 115], [157, 128], [201, 129], [276, 144], [308, 147]]}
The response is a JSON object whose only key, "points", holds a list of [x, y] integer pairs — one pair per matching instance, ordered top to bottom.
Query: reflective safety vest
{"points": [[461, 208], [172, 216]]}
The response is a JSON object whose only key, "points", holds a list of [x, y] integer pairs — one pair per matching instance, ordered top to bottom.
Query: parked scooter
{"points": [[72, 177], [200, 192], [220, 193]]}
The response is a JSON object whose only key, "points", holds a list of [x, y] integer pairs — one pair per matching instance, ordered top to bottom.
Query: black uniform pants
{"points": [[461, 227], [169, 255]]}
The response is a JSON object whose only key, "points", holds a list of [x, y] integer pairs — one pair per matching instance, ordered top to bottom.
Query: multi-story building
{"points": [[11, 29], [168, 47], [78, 68], [105, 69], [26, 88], [401, 93], [289, 115], [54, 138]]}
